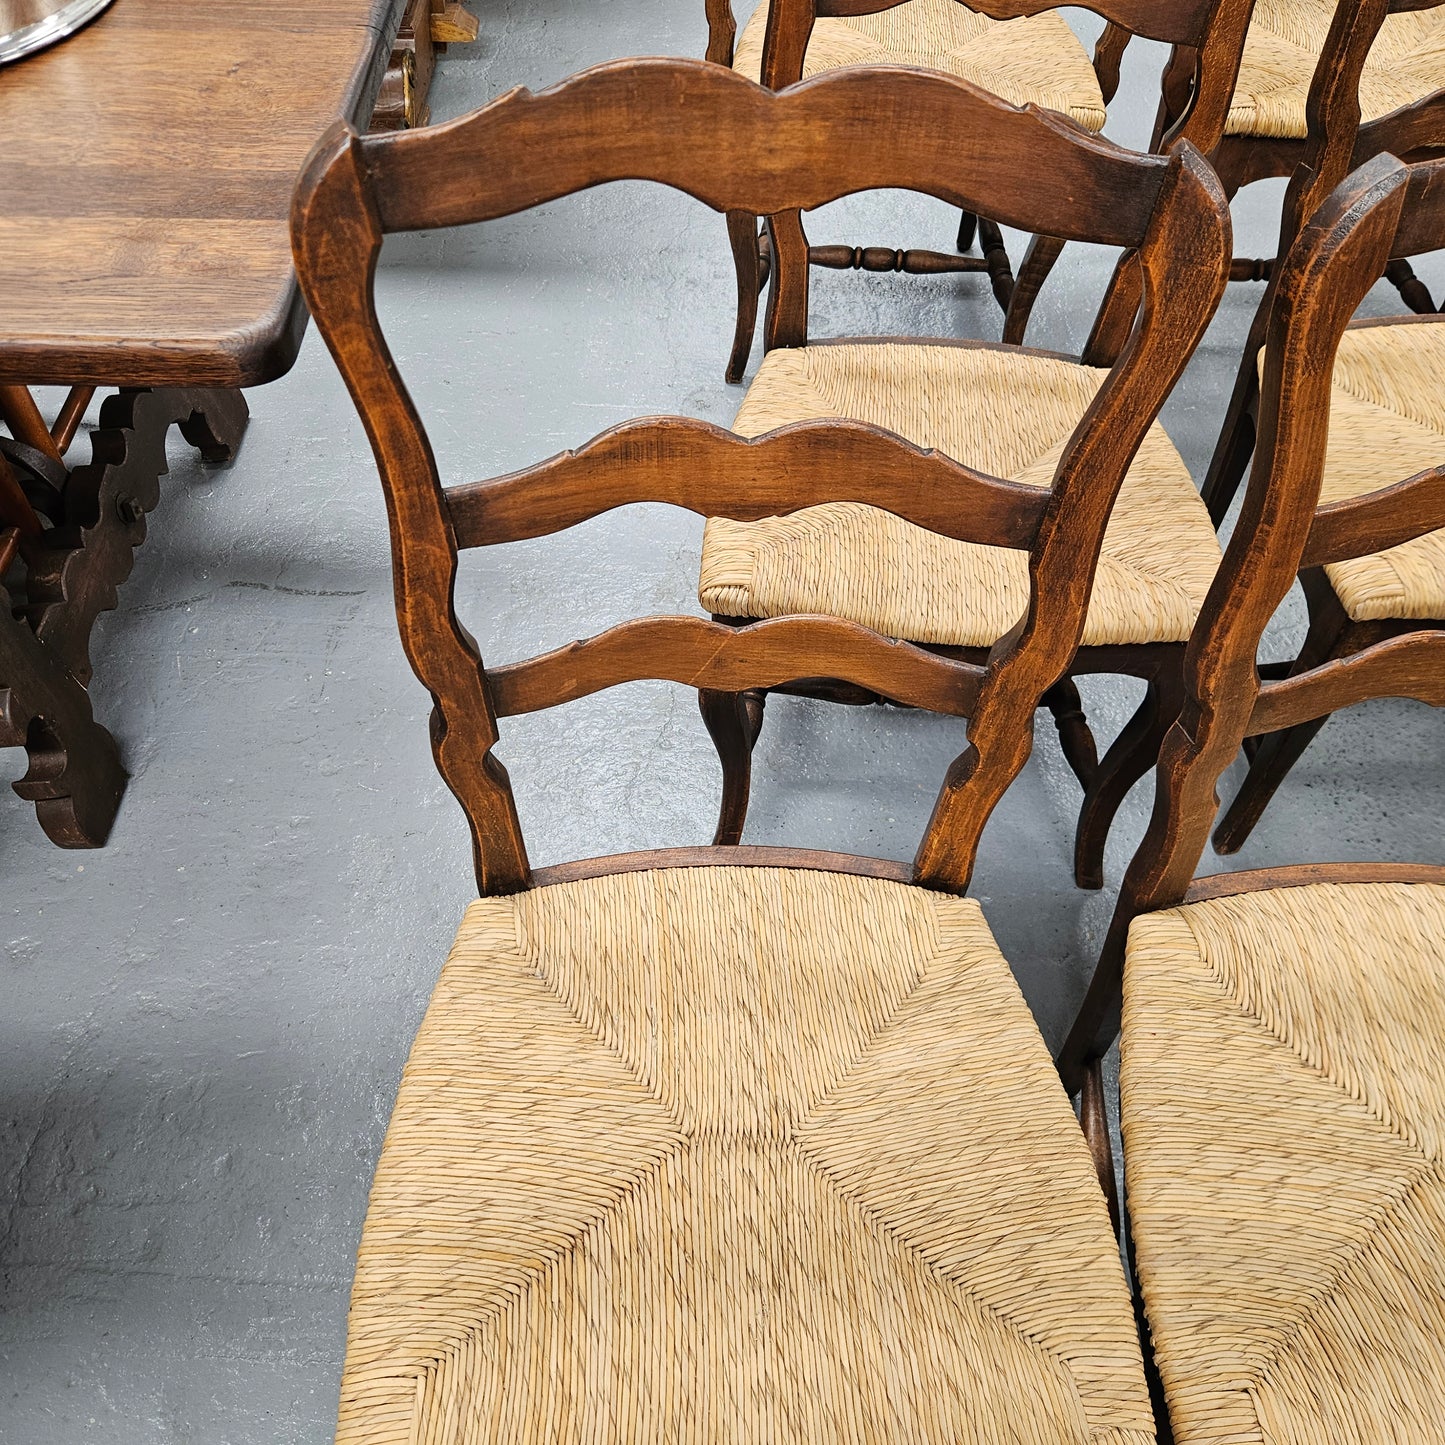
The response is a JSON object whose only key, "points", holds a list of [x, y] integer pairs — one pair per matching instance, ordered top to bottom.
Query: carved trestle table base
{"points": [[61, 578]]}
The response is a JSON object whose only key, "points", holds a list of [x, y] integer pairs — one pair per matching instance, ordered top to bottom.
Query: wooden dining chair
{"points": [[1020, 50], [1375, 55], [1340, 82], [1007, 411], [1283, 1044], [745, 1144]]}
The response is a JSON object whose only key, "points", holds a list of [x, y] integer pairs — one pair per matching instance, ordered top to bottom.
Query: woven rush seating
{"points": [[1035, 58], [1406, 64], [1003, 411], [1387, 422], [1283, 1104], [742, 1154]]}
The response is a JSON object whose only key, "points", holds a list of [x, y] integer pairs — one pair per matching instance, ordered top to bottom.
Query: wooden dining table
{"points": [[145, 185]]}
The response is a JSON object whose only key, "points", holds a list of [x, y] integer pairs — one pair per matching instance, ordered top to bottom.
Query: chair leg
{"points": [[967, 230], [743, 236], [1042, 255], [996, 261], [1413, 291], [1235, 447], [1331, 635], [733, 721], [1080, 751], [1132, 754], [1275, 755]]}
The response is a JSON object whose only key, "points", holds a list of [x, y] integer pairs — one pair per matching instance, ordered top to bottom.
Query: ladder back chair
{"points": [[1020, 50], [1359, 71], [1312, 83], [1345, 121], [1011, 412], [1283, 1043], [739, 1143]]}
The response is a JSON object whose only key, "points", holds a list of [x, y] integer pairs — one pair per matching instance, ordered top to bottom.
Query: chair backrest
{"points": [[1210, 33], [1338, 142], [735, 146], [1383, 210]]}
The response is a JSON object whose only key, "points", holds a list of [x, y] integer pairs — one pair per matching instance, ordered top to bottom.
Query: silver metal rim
{"points": [[65, 21]]}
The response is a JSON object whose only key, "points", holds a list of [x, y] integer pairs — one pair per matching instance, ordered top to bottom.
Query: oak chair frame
{"points": [[1211, 30], [1337, 144], [734, 146], [1383, 210], [734, 718]]}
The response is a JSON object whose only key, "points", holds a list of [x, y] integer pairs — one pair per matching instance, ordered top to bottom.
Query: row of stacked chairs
{"points": [[763, 1144]]}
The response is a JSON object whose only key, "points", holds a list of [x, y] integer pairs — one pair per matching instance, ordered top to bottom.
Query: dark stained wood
{"points": [[427, 28], [722, 31], [1197, 87], [703, 130], [1335, 145], [833, 146], [1337, 257], [163, 259], [161, 266], [1181, 288], [68, 419], [717, 473], [17, 512], [1377, 521], [699, 653], [716, 857], [1305, 875], [1094, 1120]]}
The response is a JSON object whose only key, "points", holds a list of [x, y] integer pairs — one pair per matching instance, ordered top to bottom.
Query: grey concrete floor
{"points": [[207, 1019]]}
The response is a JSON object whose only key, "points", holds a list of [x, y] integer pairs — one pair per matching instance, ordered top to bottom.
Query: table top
{"points": [[146, 180]]}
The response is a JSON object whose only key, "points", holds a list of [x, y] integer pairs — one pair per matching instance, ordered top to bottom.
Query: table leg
{"points": [[75, 569], [72, 573]]}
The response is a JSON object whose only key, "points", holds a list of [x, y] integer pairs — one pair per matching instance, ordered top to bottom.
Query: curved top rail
{"points": [[702, 129]]}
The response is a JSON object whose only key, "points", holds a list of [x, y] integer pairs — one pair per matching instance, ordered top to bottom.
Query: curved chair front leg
{"points": [[1042, 255], [747, 262], [1331, 635], [733, 721], [1130, 757]]}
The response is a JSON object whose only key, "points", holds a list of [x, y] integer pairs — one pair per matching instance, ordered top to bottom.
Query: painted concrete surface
{"points": [[206, 1021]]}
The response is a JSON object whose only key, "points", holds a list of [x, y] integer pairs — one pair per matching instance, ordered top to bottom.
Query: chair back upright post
{"points": [[722, 31], [1212, 31], [1336, 143], [733, 145], [1383, 210]]}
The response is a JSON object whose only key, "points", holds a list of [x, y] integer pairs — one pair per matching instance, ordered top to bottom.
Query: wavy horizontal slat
{"points": [[1181, 23], [706, 130], [717, 473], [1378, 521], [702, 654], [1412, 666]]}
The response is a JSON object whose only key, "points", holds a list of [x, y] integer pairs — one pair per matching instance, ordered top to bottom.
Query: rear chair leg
{"points": [[967, 230], [743, 236], [1040, 259], [1331, 635], [733, 721], [1080, 751], [1132, 754]]}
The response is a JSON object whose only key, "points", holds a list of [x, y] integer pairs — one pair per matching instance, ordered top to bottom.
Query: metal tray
{"points": [[30, 25]]}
